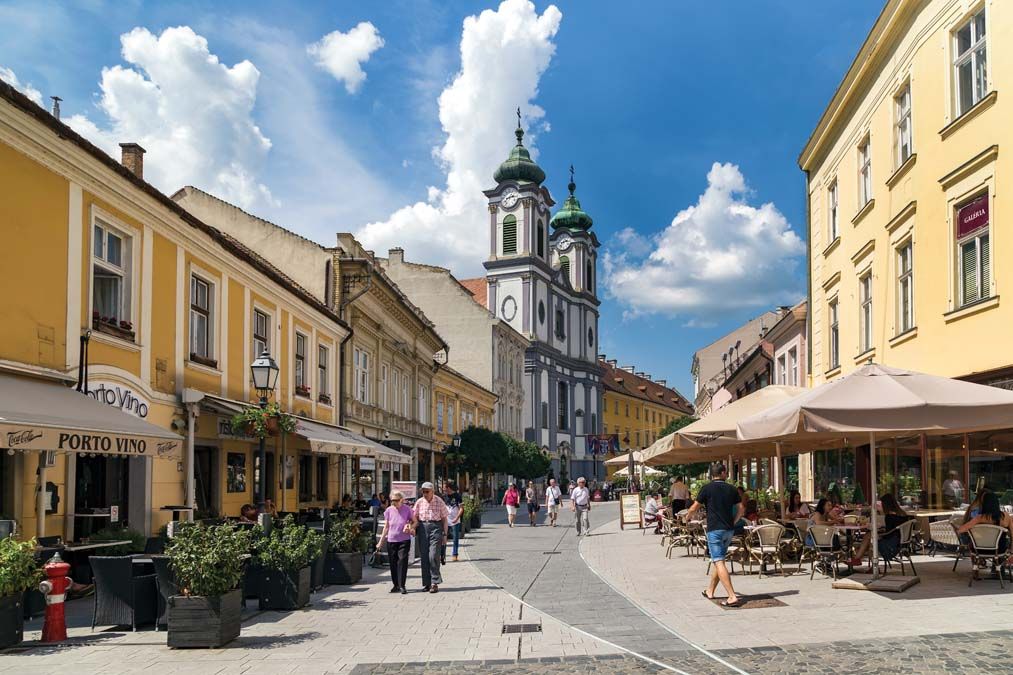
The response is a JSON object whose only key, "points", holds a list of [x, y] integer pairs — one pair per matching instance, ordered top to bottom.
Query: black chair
{"points": [[154, 546], [165, 579], [122, 599]]}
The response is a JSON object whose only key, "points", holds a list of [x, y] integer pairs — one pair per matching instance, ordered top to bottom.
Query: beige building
{"points": [[458, 403]]}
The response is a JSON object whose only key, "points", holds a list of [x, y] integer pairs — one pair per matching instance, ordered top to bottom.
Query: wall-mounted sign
{"points": [[972, 216], [119, 396], [225, 431], [19, 437], [367, 463], [114, 514]]}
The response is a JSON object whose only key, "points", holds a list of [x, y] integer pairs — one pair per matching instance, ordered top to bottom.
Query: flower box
{"points": [[123, 329], [203, 360], [302, 390], [324, 398], [343, 568], [285, 590], [11, 620], [197, 621]]}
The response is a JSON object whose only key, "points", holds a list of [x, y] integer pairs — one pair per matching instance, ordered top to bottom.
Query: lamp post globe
{"points": [[264, 373]]}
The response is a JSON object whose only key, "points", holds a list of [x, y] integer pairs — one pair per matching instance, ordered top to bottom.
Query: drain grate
{"points": [[551, 552], [522, 628]]}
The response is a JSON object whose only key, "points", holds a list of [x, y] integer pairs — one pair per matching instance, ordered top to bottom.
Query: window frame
{"points": [[979, 44], [903, 124], [865, 187], [833, 211], [509, 220], [125, 270], [905, 286], [984, 290], [207, 313], [865, 316], [834, 332], [255, 337], [299, 363], [361, 367], [323, 371], [793, 378], [384, 400], [562, 406]]}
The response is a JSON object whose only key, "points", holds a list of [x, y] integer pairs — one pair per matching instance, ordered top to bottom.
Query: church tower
{"points": [[542, 280]]}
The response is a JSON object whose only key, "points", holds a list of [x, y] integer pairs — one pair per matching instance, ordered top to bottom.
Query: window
{"points": [[970, 74], [903, 130], [864, 172], [832, 225], [509, 235], [541, 239], [974, 257], [564, 265], [111, 276], [589, 282], [905, 289], [541, 312], [865, 316], [200, 320], [560, 324], [261, 333], [590, 337], [835, 341], [361, 363], [793, 367], [782, 370], [323, 378], [301, 386], [383, 387], [395, 394], [562, 398], [406, 399], [423, 404], [616, 407], [627, 410], [636, 413], [439, 414], [545, 415], [450, 418], [594, 423], [305, 478], [321, 493]]}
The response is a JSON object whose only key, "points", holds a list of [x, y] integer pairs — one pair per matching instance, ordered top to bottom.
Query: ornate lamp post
{"points": [[264, 372], [453, 459]]}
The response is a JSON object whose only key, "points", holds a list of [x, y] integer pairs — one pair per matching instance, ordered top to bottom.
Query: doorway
{"points": [[207, 479], [102, 482], [6, 486]]}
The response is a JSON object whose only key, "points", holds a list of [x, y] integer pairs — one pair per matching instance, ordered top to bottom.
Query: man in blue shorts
{"points": [[724, 508]]}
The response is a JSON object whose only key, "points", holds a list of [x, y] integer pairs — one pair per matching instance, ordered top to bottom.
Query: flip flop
{"points": [[704, 594], [737, 603]]}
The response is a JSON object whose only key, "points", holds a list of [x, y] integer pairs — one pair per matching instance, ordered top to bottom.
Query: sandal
{"points": [[704, 594], [737, 603]]}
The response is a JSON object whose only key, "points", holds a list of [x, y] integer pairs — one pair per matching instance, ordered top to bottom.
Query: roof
{"points": [[519, 166], [571, 216], [229, 243], [479, 289], [707, 360], [459, 374], [624, 382]]}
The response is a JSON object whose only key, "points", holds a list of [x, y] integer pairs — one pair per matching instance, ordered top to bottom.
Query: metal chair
{"points": [[905, 530], [765, 544], [154, 546], [826, 548], [986, 551], [165, 581], [122, 599]]}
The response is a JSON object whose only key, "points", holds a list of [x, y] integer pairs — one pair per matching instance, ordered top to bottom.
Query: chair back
{"points": [[852, 519], [769, 521], [802, 525], [8, 528], [905, 529], [769, 535], [823, 536], [985, 538], [154, 545], [112, 575], [164, 576]]}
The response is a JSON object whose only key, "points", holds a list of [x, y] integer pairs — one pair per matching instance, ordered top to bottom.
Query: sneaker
{"points": [[455, 558]]}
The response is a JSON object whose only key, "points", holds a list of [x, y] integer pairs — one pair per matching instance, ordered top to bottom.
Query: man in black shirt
{"points": [[724, 508]]}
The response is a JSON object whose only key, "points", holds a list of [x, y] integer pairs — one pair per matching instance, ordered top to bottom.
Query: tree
{"points": [[676, 424], [483, 451], [526, 460]]}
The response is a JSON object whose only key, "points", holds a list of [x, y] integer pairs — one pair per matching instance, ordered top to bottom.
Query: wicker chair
{"points": [[852, 519], [943, 533], [766, 544], [906, 544], [826, 549], [985, 550], [167, 587], [122, 599]]}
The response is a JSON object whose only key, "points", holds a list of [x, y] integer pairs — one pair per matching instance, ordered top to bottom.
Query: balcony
{"points": [[356, 411]]}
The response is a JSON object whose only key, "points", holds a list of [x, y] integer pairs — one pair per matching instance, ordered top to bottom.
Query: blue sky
{"points": [[683, 121]]}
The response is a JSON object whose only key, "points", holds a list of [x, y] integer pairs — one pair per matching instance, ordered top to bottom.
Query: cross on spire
{"points": [[572, 186]]}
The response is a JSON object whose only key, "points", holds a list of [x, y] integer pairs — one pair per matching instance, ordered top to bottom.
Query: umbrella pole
{"points": [[777, 479], [40, 498], [874, 529]]}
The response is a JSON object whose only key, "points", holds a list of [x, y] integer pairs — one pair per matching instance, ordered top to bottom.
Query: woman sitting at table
{"points": [[796, 508], [248, 514], [992, 514], [822, 516], [889, 543]]}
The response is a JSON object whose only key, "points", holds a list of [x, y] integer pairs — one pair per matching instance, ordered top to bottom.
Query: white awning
{"points": [[40, 415], [333, 440]]}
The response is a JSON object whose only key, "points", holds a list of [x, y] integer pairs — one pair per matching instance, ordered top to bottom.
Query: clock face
{"points": [[510, 199], [564, 243], [508, 310]]}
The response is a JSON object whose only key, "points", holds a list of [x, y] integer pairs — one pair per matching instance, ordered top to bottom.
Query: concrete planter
{"points": [[476, 521], [343, 568], [285, 590], [11, 620], [204, 622]]}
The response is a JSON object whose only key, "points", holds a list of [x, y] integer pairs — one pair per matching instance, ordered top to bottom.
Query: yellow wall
{"points": [[635, 416]]}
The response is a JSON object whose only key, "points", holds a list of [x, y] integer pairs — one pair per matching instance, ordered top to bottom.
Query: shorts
{"points": [[532, 507], [553, 509], [511, 510], [717, 543]]}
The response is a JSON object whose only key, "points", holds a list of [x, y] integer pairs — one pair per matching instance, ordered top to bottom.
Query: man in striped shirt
{"points": [[431, 514]]}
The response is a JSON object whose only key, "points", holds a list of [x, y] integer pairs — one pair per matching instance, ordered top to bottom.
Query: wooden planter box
{"points": [[476, 521], [343, 568], [317, 573], [285, 590], [11, 620], [204, 622]]}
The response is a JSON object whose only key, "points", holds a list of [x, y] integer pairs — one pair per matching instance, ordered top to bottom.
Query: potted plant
{"points": [[302, 390], [258, 422], [472, 512], [119, 533], [346, 544], [285, 556], [207, 565], [18, 573]]}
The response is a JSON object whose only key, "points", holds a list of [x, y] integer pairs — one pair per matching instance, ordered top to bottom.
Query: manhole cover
{"points": [[522, 628]]}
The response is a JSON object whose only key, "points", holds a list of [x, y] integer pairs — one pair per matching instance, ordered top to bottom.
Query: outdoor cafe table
{"points": [[925, 517]]}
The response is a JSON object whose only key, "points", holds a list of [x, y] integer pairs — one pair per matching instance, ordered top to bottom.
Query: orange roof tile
{"points": [[478, 288]]}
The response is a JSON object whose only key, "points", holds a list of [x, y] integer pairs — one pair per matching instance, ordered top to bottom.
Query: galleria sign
{"points": [[119, 397]]}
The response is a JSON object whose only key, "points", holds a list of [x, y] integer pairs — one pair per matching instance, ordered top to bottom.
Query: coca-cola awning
{"points": [[41, 415]]}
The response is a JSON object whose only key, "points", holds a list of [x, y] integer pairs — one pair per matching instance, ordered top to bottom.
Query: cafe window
{"points": [[970, 72], [902, 130], [864, 172], [832, 226], [973, 255], [111, 276], [905, 288], [865, 315], [201, 323], [261, 333], [835, 335], [361, 360], [323, 371], [301, 386], [235, 472], [305, 478], [321, 479]]}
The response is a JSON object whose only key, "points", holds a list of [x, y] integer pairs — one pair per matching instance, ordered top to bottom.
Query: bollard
{"points": [[55, 589]]}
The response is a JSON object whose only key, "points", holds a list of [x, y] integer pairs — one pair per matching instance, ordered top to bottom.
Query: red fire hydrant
{"points": [[55, 589]]}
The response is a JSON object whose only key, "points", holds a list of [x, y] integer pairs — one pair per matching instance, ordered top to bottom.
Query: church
{"points": [[542, 280]]}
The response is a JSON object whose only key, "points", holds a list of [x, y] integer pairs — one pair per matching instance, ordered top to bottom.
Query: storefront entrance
{"points": [[208, 482], [6, 486], [101, 493]]}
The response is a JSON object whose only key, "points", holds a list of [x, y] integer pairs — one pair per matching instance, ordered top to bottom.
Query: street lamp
{"points": [[264, 372], [452, 460]]}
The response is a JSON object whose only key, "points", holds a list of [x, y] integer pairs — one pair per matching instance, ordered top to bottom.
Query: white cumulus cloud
{"points": [[342, 54], [503, 55], [26, 88], [192, 113], [720, 254]]}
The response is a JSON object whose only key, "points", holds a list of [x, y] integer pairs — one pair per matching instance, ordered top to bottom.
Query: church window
{"points": [[509, 235], [541, 239], [564, 266], [587, 277], [541, 312], [560, 324], [590, 337], [564, 407]]}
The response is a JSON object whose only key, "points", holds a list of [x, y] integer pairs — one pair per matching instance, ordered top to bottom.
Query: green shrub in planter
{"points": [[472, 511], [117, 533], [346, 544], [285, 556], [207, 563], [18, 573]]}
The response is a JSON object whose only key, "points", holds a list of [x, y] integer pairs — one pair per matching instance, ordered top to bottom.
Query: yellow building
{"points": [[906, 233], [176, 311], [458, 403], [636, 407]]}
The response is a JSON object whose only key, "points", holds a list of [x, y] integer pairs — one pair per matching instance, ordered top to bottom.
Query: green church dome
{"points": [[519, 166], [571, 216]]}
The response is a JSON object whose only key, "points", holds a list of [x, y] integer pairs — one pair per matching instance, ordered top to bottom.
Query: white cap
{"points": [[427, 486]]}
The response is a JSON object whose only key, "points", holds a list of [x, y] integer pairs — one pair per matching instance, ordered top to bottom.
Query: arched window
{"points": [[509, 235], [541, 240], [564, 265], [587, 277]]}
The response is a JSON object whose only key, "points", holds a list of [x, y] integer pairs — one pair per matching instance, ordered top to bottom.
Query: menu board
{"points": [[629, 510]]}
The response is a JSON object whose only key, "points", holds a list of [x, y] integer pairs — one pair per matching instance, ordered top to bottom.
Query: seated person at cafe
{"points": [[375, 501], [345, 507], [796, 508], [270, 509], [653, 511], [752, 511], [248, 513], [992, 514], [822, 516], [889, 542]]}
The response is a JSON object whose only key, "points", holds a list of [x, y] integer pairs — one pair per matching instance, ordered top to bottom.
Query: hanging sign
{"points": [[972, 216], [601, 444], [367, 463], [629, 510]]}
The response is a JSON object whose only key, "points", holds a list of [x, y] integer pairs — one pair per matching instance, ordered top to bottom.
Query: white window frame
{"points": [[978, 49], [903, 128], [865, 172], [833, 211], [126, 269], [983, 276], [905, 287], [865, 309], [208, 313], [268, 325], [834, 333], [299, 359], [362, 363], [793, 367], [782, 369], [323, 370], [395, 391], [384, 395], [406, 401], [423, 404], [441, 404], [450, 416]]}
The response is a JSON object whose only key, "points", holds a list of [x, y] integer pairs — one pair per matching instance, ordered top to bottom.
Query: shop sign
{"points": [[972, 216], [120, 397], [225, 431], [18, 437], [367, 463], [114, 514]]}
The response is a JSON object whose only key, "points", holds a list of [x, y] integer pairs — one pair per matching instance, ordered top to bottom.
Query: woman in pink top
{"points": [[512, 499], [396, 518]]}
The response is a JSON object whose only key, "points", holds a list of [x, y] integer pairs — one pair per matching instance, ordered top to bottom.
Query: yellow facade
{"points": [[915, 198], [70, 211], [458, 403]]}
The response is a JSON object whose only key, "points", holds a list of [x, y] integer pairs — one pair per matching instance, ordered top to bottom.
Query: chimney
{"points": [[56, 106], [133, 158], [395, 256], [601, 357], [613, 362], [629, 369], [642, 374], [662, 383]]}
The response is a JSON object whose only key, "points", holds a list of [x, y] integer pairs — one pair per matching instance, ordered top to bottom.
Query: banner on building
{"points": [[600, 444]]}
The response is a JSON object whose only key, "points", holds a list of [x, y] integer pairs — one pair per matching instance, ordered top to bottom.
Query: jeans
{"points": [[583, 517], [455, 533], [430, 543], [717, 543], [397, 555]]}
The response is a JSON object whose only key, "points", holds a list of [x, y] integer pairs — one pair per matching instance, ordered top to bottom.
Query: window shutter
{"points": [[510, 235], [969, 263], [564, 266], [986, 271]]}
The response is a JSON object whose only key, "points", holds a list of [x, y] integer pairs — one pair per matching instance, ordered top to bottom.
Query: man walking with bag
{"points": [[553, 496], [580, 504], [430, 516]]}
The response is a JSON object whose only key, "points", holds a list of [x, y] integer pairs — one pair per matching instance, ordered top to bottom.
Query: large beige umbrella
{"points": [[881, 402], [623, 460]]}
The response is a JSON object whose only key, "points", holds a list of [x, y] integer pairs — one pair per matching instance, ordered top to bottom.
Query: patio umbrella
{"points": [[882, 402], [622, 460], [647, 470]]}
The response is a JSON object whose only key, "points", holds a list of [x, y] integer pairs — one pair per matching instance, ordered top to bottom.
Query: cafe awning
{"points": [[41, 415], [334, 440]]}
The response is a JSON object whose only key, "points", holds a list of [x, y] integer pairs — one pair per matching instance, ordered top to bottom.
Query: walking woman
{"points": [[512, 499], [532, 499], [396, 519]]}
